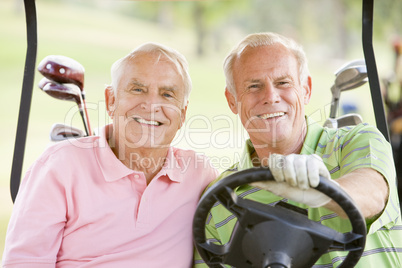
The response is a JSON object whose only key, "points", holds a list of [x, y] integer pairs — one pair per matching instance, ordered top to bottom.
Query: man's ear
{"points": [[307, 90], [110, 100], [231, 101], [183, 115]]}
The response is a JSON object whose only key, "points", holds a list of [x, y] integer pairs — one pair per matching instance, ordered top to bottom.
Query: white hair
{"points": [[174, 56]]}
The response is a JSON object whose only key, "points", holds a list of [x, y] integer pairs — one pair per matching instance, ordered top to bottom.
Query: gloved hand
{"points": [[298, 170], [294, 174], [310, 197]]}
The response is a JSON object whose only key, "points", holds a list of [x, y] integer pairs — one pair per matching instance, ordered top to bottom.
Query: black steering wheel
{"points": [[275, 236]]}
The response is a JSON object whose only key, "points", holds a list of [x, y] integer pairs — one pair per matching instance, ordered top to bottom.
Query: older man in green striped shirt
{"points": [[268, 85]]}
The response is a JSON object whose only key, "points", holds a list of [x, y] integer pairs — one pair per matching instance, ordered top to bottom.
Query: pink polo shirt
{"points": [[79, 206]]}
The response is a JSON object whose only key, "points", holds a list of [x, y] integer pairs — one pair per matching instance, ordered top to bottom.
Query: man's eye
{"points": [[283, 83], [254, 86], [136, 90], [167, 95]]}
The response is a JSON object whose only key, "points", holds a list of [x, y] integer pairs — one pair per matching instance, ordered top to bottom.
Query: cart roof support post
{"points": [[376, 96], [26, 97]]}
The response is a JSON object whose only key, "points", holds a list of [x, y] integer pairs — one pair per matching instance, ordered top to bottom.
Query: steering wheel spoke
{"points": [[230, 201], [347, 242]]}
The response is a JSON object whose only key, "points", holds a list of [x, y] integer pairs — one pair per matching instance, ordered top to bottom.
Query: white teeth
{"points": [[266, 116], [143, 121]]}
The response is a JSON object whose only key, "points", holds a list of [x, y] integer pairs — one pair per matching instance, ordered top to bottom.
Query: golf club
{"points": [[62, 69], [350, 76], [68, 92], [60, 132]]}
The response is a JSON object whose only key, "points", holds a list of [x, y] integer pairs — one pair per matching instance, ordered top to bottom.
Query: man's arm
{"points": [[295, 174], [368, 189], [36, 226]]}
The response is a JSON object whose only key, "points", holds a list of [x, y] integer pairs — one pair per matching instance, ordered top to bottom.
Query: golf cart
{"points": [[254, 215]]}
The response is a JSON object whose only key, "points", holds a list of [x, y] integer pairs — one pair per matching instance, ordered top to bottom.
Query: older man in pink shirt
{"points": [[125, 198]]}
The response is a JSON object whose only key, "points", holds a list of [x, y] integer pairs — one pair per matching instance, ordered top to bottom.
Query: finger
{"points": [[276, 163], [300, 164], [313, 168], [322, 168], [289, 170], [323, 171], [277, 188]]}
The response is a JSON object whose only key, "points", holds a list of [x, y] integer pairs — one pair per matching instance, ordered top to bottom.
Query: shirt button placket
{"points": [[142, 214]]}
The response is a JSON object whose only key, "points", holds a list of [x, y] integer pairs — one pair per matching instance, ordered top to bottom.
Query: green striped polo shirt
{"points": [[342, 150]]}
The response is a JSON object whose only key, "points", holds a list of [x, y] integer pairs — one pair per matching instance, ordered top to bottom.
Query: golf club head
{"points": [[358, 62], [62, 69], [351, 75], [350, 78], [59, 91], [68, 92], [343, 121], [60, 132]]}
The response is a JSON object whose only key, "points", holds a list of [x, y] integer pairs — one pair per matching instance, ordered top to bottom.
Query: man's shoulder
{"points": [[361, 128], [362, 131], [70, 147]]}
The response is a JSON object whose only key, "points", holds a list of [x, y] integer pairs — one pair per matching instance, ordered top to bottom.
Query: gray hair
{"points": [[264, 39], [171, 54]]}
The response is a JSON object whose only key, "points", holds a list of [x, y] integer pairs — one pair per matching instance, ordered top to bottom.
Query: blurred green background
{"points": [[96, 33]]}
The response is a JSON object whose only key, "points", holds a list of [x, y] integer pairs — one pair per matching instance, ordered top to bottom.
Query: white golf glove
{"points": [[294, 175]]}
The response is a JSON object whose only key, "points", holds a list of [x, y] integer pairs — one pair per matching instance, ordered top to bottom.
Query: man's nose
{"points": [[271, 94], [151, 103]]}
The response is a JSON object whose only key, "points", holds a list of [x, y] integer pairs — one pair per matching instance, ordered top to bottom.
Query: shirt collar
{"points": [[314, 132], [245, 159], [173, 166], [113, 169]]}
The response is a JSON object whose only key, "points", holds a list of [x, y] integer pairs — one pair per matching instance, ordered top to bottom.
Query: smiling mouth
{"points": [[273, 115], [146, 122]]}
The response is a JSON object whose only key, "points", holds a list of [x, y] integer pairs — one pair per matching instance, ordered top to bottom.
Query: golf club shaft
{"points": [[334, 108], [84, 121], [88, 125]]}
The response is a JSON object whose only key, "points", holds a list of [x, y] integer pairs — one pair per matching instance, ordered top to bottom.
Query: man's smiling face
{"points": [[269, 97], [148, 106]]}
